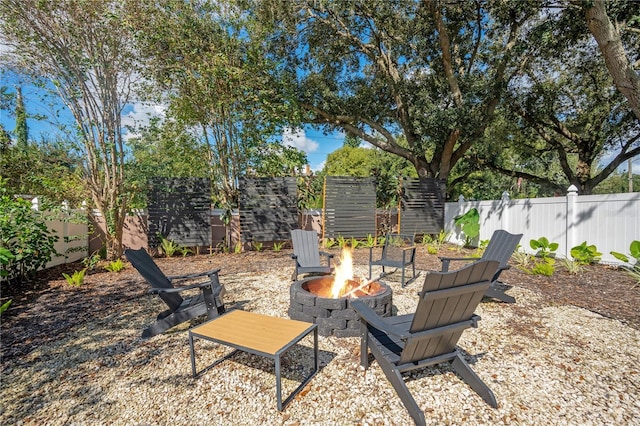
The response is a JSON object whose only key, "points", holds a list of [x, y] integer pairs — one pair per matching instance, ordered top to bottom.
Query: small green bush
{"points": [[469, 224], [26, 242], [278, 245], [257, 246], [544, 247], [585, 254], [115, 266], [76, 279]]}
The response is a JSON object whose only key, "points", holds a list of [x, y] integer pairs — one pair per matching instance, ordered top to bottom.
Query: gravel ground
{"points": [[547, 363]]}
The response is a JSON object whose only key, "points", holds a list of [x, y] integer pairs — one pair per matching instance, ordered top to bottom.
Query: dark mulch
{"points": [[47, 305]]}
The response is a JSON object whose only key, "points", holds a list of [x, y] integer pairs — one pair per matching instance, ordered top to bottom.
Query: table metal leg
{"points": [[193, 355], [278, 383]]}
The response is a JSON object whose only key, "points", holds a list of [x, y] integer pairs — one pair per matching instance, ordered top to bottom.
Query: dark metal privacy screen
{"points": [[349, 207], [421, 207], [268, 208], [180, 211]]}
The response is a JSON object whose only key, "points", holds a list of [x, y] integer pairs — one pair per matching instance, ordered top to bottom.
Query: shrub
{"points": [[469, 224], [26, 242], [278, 245], [257, 246], [543, 246], [169, 248], [585, 254], [115, 266], [76, 279]]}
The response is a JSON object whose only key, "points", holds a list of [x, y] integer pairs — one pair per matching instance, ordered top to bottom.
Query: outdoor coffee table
{"points": [[259, 335]]}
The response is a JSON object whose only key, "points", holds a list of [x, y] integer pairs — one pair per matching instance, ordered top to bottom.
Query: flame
{"points": [[344, 273]]}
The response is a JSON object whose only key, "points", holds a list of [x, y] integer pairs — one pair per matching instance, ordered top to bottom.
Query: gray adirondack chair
{"points": [[501, 246], [398, 251], [306, 254], [208, 301], [430, 335]]}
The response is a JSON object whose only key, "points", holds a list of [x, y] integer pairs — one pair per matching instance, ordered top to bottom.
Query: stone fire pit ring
{"points": [[335, 317]]}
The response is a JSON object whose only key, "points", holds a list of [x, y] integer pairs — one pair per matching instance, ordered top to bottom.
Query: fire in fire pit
{"points": [[325, 300]]}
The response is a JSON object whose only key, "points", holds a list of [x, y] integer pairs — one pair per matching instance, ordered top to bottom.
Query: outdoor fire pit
{"points": [[325, 300]]}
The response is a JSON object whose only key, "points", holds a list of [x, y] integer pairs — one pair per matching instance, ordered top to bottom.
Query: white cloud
{"points": [[140, 115], [297, 138], [318, 167]]}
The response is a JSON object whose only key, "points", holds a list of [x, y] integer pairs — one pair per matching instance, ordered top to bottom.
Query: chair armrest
{"points": [[329, 255], [442, 259], [445, 261], [197, 275], [216, 288], [369, 316]]}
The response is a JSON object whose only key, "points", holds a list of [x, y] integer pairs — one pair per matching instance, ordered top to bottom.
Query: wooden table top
{"points": [[259, 332]]}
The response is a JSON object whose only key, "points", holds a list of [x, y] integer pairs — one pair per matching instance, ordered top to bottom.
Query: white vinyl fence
{"points": [[610, 222], [73, 235]]}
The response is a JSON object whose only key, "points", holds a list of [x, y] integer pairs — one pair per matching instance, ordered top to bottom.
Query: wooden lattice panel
{"points": [[421, 206], [349, 207], [268, 208], [179, 210]]}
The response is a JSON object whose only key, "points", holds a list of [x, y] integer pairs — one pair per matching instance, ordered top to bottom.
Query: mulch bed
{"points": [[46, 305]]}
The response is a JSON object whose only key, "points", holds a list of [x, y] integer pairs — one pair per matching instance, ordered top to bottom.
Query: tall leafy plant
{"points": [[469, 224], [26, 244]]}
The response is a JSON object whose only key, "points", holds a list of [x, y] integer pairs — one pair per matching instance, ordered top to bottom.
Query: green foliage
{"points": [[364, 162], [469, 224], [26, 241], [341, 241], [371, 241], [329, 242], [354, 243], [278, 245], [257, 246], [543, 246], [169, 247], [237, 248], [481, 248], [634, 253], [585, 254], [5, 259], [522, 259], [90, 262], [115, 266], [571, 266], [546, 267], [76, 279], [5, 306]]}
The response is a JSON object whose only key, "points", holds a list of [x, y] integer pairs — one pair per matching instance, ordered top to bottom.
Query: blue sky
{"points": [[314, 143]]}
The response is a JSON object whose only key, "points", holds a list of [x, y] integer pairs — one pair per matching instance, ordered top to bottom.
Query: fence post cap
{"points": [[572, 189], [505, 196]]}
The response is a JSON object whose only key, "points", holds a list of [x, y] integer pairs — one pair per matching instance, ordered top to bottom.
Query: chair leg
{"points": [[496, 293], [364, 344], [395, 377], [471, 378]]}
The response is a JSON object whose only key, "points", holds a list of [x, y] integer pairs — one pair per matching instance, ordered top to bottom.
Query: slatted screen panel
{"points": [[349, 207], [268, 208], [421, 208], [180, 210]]}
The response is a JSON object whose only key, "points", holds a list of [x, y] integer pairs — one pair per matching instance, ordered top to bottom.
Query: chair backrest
{"points": [[394, 245], [501, 246], [305, 247], [145, 265], [447, 302]]}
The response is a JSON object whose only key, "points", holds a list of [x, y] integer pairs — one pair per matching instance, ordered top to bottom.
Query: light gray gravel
{"points": [[547, 365]]}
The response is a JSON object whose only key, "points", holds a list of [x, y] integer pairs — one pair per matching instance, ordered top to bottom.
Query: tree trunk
{"points": [[608, 38]]}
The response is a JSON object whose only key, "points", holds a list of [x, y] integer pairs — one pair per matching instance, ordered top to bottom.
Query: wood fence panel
{"points": [[421, 206], [349, 207], [268, 208], [179, 210]]}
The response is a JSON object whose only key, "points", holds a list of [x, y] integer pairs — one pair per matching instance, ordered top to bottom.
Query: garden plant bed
{"points": [[74, 355]]}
